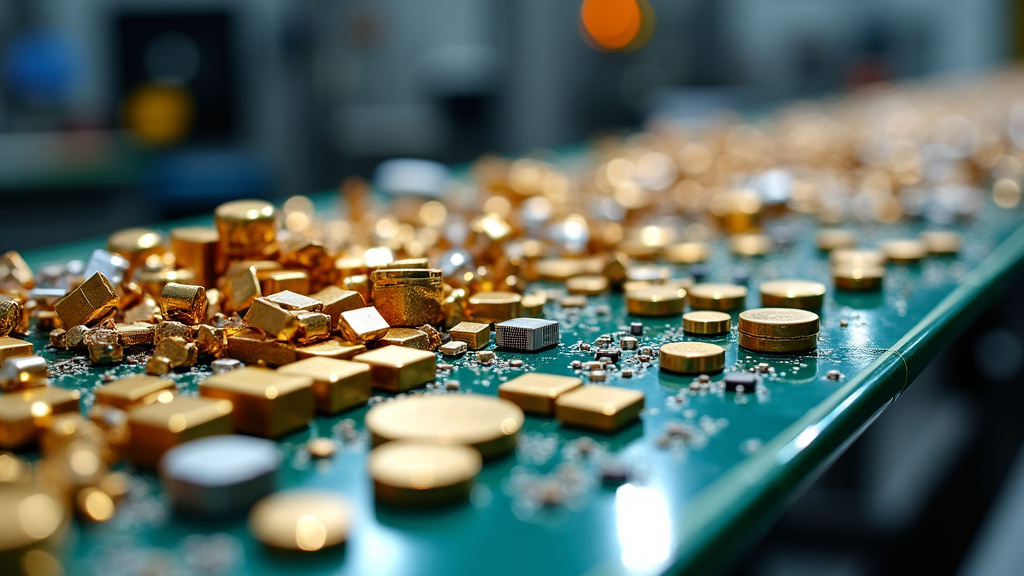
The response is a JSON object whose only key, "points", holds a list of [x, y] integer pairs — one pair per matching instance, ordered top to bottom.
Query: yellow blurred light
{"points": [[158, 115]]}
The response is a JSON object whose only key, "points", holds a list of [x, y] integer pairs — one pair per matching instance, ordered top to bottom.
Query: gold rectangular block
{"points": [[197, 248], [15, 273], [281, 280], [359, 284], [241, 289], [408, 296], [336, 301], [296, 302], [89, 303], [183, 303], [10, 314], [272, 319], [47, 320], [362, 324], [313, 327], [136, 333], [475, 334], [408, 337], [10, 347], [252, 348], [334, 348], [453, 348], [398, 369], [22, 372], [337, 384], [135, 390], [537, 392], [266, 403], [603, 408], [24, 414], [158, 427]]}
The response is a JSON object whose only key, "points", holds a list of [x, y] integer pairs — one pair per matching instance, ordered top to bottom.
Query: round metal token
{"points": [[904, 251], [858, 278], [793, 294], [721, 297], [656, 301], [706, 322], [779, 323], [777, 345], [691, 357], [411, 473], [303, 520]]}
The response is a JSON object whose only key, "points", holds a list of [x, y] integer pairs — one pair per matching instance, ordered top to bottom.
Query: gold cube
{"points": [[247, 228], [197, 249], [15, 274], [284, 280], [241, 290], [408, 297], [92, 301], [291, 301], [336, 301], [183, 303], [493, 307], [10, 314], [272, 319], [362, 324], [313, 327], [169, 328], [474, 334], [408, 337], [211, 341], [11, 347], [254, 348], [334, 348], [398, 369], [337, 384], [135, 390], [537, 392], [266, 403], [603, 408], [24, 414], [156, 428]]}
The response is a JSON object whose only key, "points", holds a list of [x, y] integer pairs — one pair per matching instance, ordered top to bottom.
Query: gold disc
{"points": [[242, 211], [833, 238], [941, 242], [750, 244], [904, 251], [687, 252], [850, 257], [858, 278], [588, 284], [793, 294], [721, 297], [656, 301], [707, 322], [778, 323], [777, 345], [691, 357], [486, 423], [414, 473], [304, 520]]}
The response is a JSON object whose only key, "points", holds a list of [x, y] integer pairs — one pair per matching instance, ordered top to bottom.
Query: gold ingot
{"points": [[247, 228], [831, 239], [942, 242], [136, 245], [750, 245], [197, 248], [904, 250], [687, 252], [304, 253], [856, 258], [15, 273], [858, 278], [274, 281], [152, 282], [587, 285], [241, 290], [792, 294], [408, 297], [720, 297], [335, 301], [656, 301], [296, 302], [183, 303], [88, 304], [533, 305], [494, 307], [10, 314], [272, 319], [706, 322], [779, 323], [362, 324], [313, 327], [136, 333], [476, 335], [408, 337], [59, 338], [211, 342], [777, 345], [254, 348], [334, 348], [453, 348], [180, 353], [691, 357], [158, 366], [399, 369], [20, 372], [338, 385], [135, 390], [536, 393], [266, 403], [602, 408], [24, 414], [483, 422], [156, 428], [417, 474], [301, 520], [35, 525]]}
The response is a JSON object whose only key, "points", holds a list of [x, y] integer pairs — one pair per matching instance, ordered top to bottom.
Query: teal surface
{"points": [[687, 507]]}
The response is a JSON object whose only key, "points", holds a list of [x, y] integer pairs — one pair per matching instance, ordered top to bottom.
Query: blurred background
{"points": [[128, 112]]}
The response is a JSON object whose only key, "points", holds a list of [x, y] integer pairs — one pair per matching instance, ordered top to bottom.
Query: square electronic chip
{"points": [[528, 334]]}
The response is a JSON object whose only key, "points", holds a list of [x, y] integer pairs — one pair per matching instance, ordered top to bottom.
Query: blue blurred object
{"points": [[40, 68], [198, 179]]}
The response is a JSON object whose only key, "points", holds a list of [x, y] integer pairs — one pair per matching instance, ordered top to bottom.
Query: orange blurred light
{"points": [[617, 24]]}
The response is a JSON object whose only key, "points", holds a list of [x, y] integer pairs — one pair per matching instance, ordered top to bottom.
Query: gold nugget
{"points": [[247, 228], [15, 273], [241, 290], [408, 297], [335, 301], [91, 302], [183, 303], [10, 314], [272, 319], [362, 324], [313, 327], [408, 337], [180, 353], [399, 369], [337, 384], [266, 403], [158, 427]]}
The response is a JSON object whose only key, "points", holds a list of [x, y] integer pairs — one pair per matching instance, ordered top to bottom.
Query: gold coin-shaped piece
{"points": [[241, 211], [832, 238], [941, 242], [136, 243], [750, 244], [904, 250], [687, 252], [851, 257], [561, 269], [648, 273], [858, 278], [588, 284], [793, 294], [721, 297], [656, 301], [496, 306], [706, 322], [779, 323], [777, 345], [691, 357], [486, 423], [412, 473], [303, 520]]}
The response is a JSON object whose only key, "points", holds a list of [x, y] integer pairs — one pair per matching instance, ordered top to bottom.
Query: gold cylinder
{"points": [[247, 229], [136, 244], [196, 248], [409, 296]]}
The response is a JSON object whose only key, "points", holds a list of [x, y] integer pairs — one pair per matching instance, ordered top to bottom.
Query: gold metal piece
{"points": [[247, 228], [830, 239], [942, 242], [750, 244], [135, 245], [197, 248], [904, 250], [687, 252], [850, 257], [561, 269], [15, 273], [858, 278], [284, 280], [152, 282], [359, 284], [589, 285], [241, 290], [792, 294], [408, 297], [721, 297], [335, 301], [656, 301], [91, 302], [293, 302], [183, 303], [533, 305], [493, 307], [147, 310], [10, 314], [272, 319], [46, 320], [706, 322], [778, 323], [362, 324], [313, 327], [169, 328], [136, 333], [476, 335], [408, 337], [211, 342], [777, 345], [254, 348], [334, 348], [453, 348], [102, 353], [180, 353], [691, 357], [158, 366], [399, 369], [20, 372], [337, 384], [135, 390], [536, 393], [266, 403], [603, 408], [23, 414], [486, 423], [158, 427], [321, 447], [411, 473], [301, 520], [34, 529]]}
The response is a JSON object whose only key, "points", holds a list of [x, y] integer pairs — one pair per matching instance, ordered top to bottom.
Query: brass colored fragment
{"points": [[247, 229], [197, 248], [15, 273], [284, 280], [241, 290], [408, 296], [335, 301], [91, 302], [296, 302], [183, 303], [10, 314], [272, 319], [362, 324], [313, 327], [137, 333], [475, 334], [409, 337], [211, 342], [11, 347], [254, 348], [333, 348], [180, 353], [158, 366], [399, 369], [19, 372], [337, 384], [135, 390], [266, 403], [158, 427]]}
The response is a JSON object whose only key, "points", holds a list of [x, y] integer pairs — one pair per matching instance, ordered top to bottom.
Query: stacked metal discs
{"points": [[778, 330]]}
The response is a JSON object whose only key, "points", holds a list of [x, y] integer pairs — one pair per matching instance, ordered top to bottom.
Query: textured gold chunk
{"points": [[247, 228], [197, 248], [15, 273], [284, 280], [152, 282], [241, 290], [792, 294], [408, 296], [721, 297], [292, 301], [335, 301], [656, 301], [183, 303], [88, 304], [492, 307], [10, 314], [272, 319], [706, 322], [362, 324], [313, 327], [169, 328], [136, 333], [476, 335], [408, 337], [211, 342], [254, 348], [334, 348], [453, 348], [102, 353], [180, 353], [691, 357], [158, 366], [399, 369], [21, 372], [337, 384], [135, 390], [536, 393], [266, 403], [604, 408], [24, 414], [158, 427], [415, 474], [301, 520]]}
